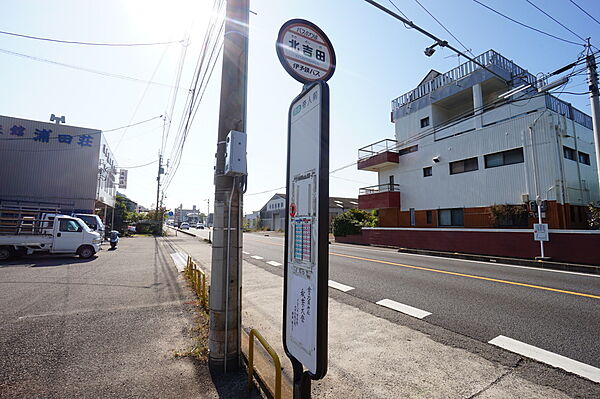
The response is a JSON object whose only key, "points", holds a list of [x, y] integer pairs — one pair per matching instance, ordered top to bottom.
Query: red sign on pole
{"points": [[292, 209]]}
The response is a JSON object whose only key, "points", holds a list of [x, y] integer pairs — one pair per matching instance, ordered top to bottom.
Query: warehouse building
{"points": [[57, 166]]}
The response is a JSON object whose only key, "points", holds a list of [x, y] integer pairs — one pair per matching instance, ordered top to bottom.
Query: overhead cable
{"points": [[584, 11], [554, 19], [527, 26], [46, 39], [438, 41], [468, 50], [84, 69], [133, 124]]}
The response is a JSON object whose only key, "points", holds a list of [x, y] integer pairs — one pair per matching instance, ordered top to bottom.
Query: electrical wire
{"points": [[584, 11], [401, 13], [554, 19], [527, 26], [46, 39], [211, 49], [468, 50], [83, 69], [137, 107], [133, 124], [138, 166]]}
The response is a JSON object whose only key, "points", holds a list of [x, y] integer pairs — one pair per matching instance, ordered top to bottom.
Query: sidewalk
{"points": [[371, 356]]}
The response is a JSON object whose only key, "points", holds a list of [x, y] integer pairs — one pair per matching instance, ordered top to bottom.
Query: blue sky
{"points": [[378, 59]]}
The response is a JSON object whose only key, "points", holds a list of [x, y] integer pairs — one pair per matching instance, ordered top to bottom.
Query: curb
{"points": [[182, 231], [543, 264]]}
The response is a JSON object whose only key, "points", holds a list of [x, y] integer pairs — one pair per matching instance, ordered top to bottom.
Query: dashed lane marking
{"points": [[246, 253], [257, 257], [273, 263], [340, 286], [406, 309], [544, 356]]}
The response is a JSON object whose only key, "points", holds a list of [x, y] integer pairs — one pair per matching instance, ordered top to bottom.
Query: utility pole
{"points": [[595, 106], [160, 170], [225, 290]]}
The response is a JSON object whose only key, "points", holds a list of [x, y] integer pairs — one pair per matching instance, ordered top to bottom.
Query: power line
{"points": [[584, 11], [401, 13], [554, 19], [525, 25], [46, 39], [438, 41], [468, 50], [84, 69], [133, 124], [138, 166]]}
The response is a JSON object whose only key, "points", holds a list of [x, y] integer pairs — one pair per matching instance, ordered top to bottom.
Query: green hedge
{"points": [[352, 221]]}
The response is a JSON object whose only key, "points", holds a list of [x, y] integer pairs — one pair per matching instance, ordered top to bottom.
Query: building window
{"points": [[424, 122], [408, 150], [569, 153], [509, 157], [584, 158], [466, 165], [428, 171], [429, 215], [451, 217], [413, 219]]}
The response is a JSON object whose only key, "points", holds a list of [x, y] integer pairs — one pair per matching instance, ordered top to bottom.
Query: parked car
{"points": [[184, 226], [200, 226]]}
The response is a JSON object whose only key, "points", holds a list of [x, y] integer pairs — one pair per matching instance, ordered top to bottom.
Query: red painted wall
{"points": [[387, 199], [564, 247]]}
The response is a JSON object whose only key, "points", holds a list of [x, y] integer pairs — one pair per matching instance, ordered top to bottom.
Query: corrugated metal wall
{"points": [[42, 161]]}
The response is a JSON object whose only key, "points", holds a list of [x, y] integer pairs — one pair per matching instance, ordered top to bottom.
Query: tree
{"points": [[352, 221]]}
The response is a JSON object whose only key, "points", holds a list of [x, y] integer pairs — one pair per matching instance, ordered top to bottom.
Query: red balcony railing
{"points": [[378, 155], [379, 196]]}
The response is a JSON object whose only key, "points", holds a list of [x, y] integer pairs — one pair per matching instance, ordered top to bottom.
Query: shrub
{"points": [[506, 215], [593, 215], [352, 221]]}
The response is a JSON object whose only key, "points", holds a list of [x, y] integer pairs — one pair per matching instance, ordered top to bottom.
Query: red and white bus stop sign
{"points": [[305, 51]]}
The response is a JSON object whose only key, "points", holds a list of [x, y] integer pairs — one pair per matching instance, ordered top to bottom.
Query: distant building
{"points": [[460, 149], [48, 165], [131, 205], [273, 213], [189, 215], [252, 219]]}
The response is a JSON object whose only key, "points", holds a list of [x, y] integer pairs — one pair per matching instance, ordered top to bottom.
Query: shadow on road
{"points": [[45, 260]]}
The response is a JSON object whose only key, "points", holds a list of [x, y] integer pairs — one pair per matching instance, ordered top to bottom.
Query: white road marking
{"points": [[246, 253], [257, 257], [180, 260], [273, 263], [540, 269], [340, 286], [400, 307], [544, 356]]}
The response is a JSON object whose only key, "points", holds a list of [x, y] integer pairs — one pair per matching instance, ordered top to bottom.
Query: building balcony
{"points": [[378, 155], [380, 196]]}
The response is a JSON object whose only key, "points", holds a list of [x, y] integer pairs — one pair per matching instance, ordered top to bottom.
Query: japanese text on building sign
{"points": [[45, 135]]}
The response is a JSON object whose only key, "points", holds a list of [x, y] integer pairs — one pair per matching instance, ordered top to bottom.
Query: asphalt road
{"points": [[552, 310], [107, 327]]}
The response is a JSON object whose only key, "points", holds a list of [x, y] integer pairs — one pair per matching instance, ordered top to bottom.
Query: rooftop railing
{"points": [[488, 58], [566, 109]]}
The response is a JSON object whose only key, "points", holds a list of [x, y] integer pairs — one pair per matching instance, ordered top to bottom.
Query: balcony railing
{"points": [[488, 58], [370, 150], [380, 188]]}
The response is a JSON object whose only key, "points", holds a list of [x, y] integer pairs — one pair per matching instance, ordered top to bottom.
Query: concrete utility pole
{"points": [[595, 107], [158, 184], [225, 289]]}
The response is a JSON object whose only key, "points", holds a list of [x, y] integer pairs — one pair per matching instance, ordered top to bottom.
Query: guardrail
{"points": [[377, 148], [380, 188], [198, 279], [276, 362]]}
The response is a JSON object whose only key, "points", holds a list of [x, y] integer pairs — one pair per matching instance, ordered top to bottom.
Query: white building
{"points": [[459, 149]]}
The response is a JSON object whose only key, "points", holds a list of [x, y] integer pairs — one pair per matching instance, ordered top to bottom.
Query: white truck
{"points": [[57, 234]]}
